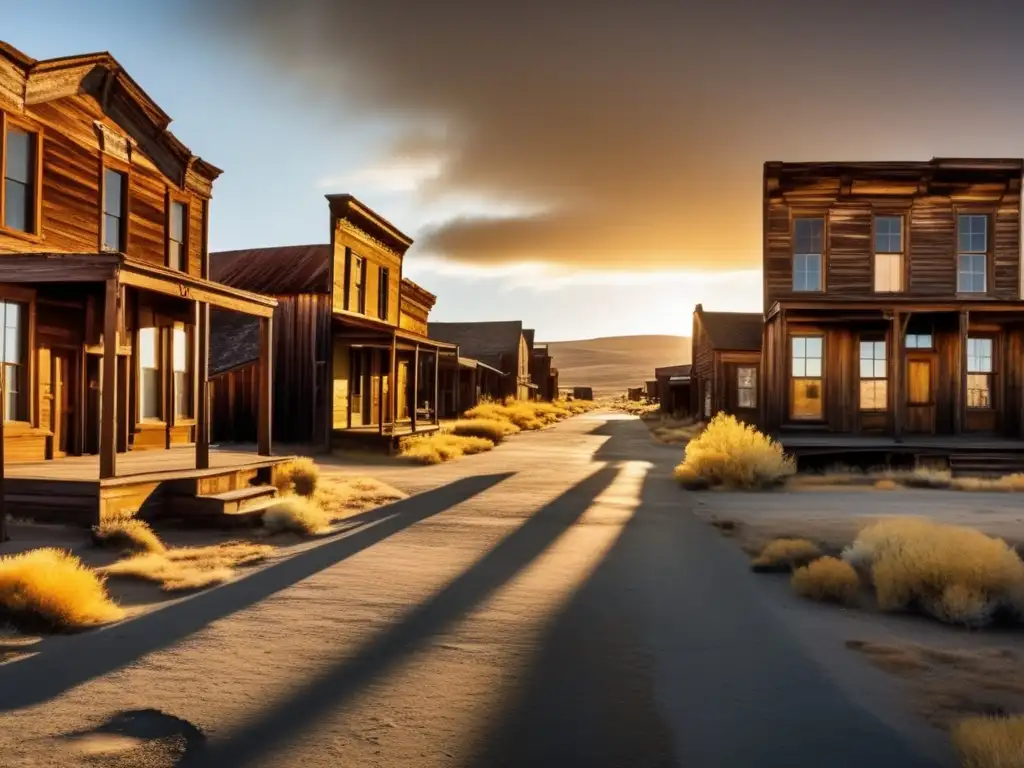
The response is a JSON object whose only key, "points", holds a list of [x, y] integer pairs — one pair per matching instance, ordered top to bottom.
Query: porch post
{"points": [[896, 333], [961, 364], [352, 369], [393, 382], [415, 384], [437, 385], [266, 386], [458, 386], [380, 392], [203, 393], [108, 395], [3, 489]]}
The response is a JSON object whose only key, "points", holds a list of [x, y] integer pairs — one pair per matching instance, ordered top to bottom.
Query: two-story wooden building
{"points": [[104, 293], [892, 298]]}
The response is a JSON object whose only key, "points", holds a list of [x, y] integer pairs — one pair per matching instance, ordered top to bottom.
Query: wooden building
{"points": [[105, 297], [499, 346], [352, 356], [726, 356], [543, 373], [673, 387]]}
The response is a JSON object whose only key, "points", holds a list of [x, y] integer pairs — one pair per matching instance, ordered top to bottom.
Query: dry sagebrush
{"points": [[495, 430], [442, 446], [731, 453], [297, 476], [296, 514], [127, 533], [785, 555], [188, 568], [955, 574], [828, 579], [53, 588], [990, 742]]}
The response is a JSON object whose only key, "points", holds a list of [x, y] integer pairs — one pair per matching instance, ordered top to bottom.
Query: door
{"points": [[357, 374], [403, 390], [920, 410], [63, 411]]}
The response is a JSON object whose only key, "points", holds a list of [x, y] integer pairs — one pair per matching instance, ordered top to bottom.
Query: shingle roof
{"points": [[284, 270], [739, 331], [234, 340], [485, 341], [673, 370]]}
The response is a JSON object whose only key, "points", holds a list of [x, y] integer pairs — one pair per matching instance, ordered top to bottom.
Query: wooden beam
{"points": [[195, 289], [202, 358], [961, 366], [352, 368], [393, 384], [415, 384], [437, 386], [266, 387], [380, 392], [108, 393], [898, 397], [3, 489]]}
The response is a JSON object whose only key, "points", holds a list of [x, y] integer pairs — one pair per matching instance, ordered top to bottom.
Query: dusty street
{"points": [[552, 603]]}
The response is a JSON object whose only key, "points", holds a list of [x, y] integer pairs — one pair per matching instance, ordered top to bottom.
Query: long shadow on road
{"points": [[67, 662], [287, 719]]}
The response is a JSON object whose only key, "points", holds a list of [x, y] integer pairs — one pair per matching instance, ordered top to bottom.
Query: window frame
{"points": [[25, 125], [108, 163], [173, 200], [989, 215], [901, 253], [822, 256], [359, 283], [383, 292], [26, 298], [874, 341], [160, 348], [929, 348], [989, 374], [793, 378], [752, 389]]}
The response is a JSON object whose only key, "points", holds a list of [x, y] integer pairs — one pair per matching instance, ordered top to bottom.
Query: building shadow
{"points": [[65, 662], [285, 720]]}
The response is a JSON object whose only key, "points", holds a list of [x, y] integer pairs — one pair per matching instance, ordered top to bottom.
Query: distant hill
{"points": [[612, 364]]}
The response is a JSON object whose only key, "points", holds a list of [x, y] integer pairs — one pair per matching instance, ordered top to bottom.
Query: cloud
{"points": [[632, 135]]}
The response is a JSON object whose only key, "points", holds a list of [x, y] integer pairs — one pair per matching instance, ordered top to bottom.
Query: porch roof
{"points": [[98, 267], [905, 303]]}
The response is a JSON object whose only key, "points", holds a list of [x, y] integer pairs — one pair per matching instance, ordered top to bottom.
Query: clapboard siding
{"points": [[146, 225]]}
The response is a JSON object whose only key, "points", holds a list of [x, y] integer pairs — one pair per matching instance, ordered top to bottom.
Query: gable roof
{"points": [[31, 81], [285, 270], [737, 331], [485, 341]]}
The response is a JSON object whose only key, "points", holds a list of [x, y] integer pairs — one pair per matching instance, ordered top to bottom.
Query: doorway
{"points": [[63, 378], [920, 395]]}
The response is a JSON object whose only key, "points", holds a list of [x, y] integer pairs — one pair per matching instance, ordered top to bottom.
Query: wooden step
{"points": [[986, 464], [237, 507]]}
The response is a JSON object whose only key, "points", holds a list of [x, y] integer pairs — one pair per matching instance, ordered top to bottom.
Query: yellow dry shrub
{"points": [[576, 407], [524, 414], [494, 430], [442, 446], [729, 452], [299, 475], [689, 479], [886, 485], [341, 498], [296, 514], [127, 533], [786, 554], [187, 568], [955, 574], [828, 579], [54, 588], [990, 742]]}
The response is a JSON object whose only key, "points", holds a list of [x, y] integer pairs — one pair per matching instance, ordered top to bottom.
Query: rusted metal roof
{"points": [[280, 271]]}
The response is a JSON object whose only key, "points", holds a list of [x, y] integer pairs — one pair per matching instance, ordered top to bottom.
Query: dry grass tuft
{"points": [[576, 407], [524, 414], [494, 430], [672, 431], [442, 446], [731, 453], [298, 475], [925, 478], [886, 485], [343, 498], [296, 514], [127, 533], [783, 555], [187, 568], [955, 574], [828, 579], [52, 588], [990, 742]]}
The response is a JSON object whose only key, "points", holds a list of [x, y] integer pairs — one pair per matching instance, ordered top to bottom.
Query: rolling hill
{"points": [[612, 364]]}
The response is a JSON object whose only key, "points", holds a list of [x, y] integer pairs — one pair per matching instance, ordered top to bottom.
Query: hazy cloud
{"points": [[637, 130]]}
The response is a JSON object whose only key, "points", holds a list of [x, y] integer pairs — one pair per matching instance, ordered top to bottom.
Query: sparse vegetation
{"points": [[524, 414], [494, 430], [673, 431], [442, 446], [731, 453], [298, 476], [922, 477], [886, 485], [343, 498], [296, 514], [127, 533], [786, 554], [187, 568], [955, 574], [827, 579], [53, 589], [990, 742]]}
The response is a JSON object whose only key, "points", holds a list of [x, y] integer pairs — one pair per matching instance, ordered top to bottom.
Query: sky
{"points": [[590, 167]]}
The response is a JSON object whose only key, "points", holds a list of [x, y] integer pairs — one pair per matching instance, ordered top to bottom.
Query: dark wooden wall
{"points": [[928, 198], [234, 403]]}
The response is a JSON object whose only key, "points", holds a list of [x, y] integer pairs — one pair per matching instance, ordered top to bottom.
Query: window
{"points": [[19, 181], [114, 184], [176, 236], [808, 239], [972, 253], [888, 254], [359, 281], [382, 294], [13, 316], [918, 341], [807, 356], [182, 369], [979, 373], [149, 374], [874, 382], [746, 387], [707, 398]]}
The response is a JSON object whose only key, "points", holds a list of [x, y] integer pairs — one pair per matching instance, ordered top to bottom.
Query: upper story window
{"points": [[20, 180], [115, 184], [176, 236], [808, 247], [972, 253], [888, 254], [359, 283], [383, 293], [13, 352], [808, 354], [979, 372], [149, 374], [874, 378]]}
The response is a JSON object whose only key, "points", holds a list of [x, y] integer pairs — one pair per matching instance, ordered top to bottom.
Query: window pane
{"points": [[19, 156], [113, 190], [18, 208], [178, 222], [111, 232], [888, 234], [174, 255], [799, 346], [814, 346], [147, 348], [180, 350], [799, 366], [813, 367], [866, 369], [880, 369], [746, 377], [979, 391], [150, 393], [873, 395], [747, 398], [806, 399], [182, 401]]}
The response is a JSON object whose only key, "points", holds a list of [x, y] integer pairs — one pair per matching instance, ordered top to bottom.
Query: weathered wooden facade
{"points": [[104, 288], [893, 298], [499, 346], [726, 354], [352, 357], [543, 373], [673, 388]]}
